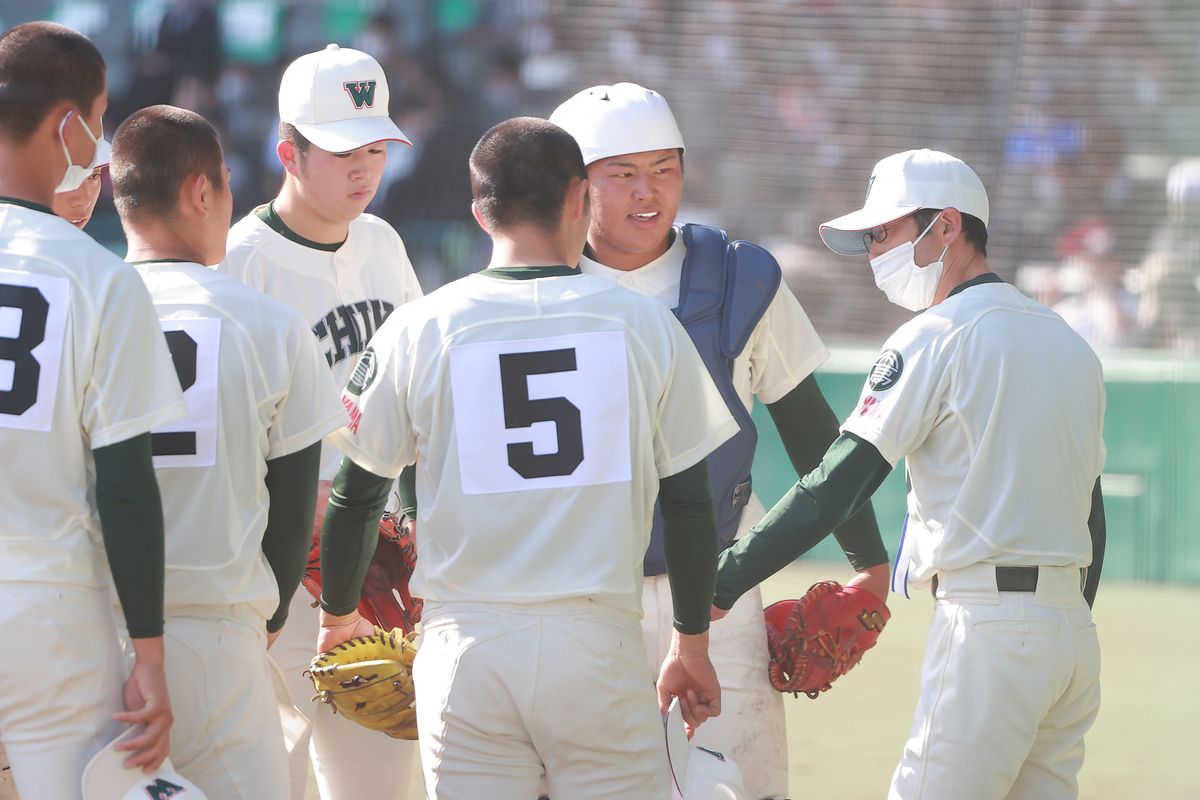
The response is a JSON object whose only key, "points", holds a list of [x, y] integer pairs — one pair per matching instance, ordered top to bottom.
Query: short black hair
{"points": [[43, 64], [288, 133], [153, 151], [521, 170], [974, 231]]}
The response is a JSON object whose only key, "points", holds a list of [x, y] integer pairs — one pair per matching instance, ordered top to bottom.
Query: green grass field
{"points": [[1144, 745]]}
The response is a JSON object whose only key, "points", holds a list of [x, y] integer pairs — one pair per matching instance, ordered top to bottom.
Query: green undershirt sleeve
{"points": [[807, 426], [847, 476], [406, 487], [292, 491], [131, 523], [1099, 531], [349, 535], [690, 545]]}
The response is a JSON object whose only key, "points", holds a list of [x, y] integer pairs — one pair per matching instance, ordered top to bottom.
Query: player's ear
{"points": [[289, 157], [195, 194], [578, 202], [479, 218], [950, 224]]}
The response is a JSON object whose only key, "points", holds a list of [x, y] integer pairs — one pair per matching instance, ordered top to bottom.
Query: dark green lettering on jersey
{"points": [[362, 93], [345, 330], [364, 373]]}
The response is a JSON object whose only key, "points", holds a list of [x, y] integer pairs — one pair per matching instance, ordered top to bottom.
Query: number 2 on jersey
{"points": [[192, 441]]}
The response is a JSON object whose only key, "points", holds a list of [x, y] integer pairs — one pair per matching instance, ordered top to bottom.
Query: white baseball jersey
{"points": [[344, 292], [83, 365], [257, 389], [998, 407], [541, 414]]}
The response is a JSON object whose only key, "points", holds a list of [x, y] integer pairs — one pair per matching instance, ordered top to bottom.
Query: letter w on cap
{"points": [[362, 93]]}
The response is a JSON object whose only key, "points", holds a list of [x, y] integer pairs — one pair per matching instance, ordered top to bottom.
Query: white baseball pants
{"points": [[1010, 685], [505, 692], [57, 699], [751, 730], [226, 737]]}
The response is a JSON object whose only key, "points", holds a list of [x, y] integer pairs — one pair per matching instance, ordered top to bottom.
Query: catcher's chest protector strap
{"points": [[724, 290]]}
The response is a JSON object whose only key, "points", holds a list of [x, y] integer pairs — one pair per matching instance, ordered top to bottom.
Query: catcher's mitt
{"points": [[390, 569], [820, 637], [369, 680]]}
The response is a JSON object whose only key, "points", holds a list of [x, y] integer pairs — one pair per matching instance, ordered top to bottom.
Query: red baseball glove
{"points": [[385, 599], [820, 637]]}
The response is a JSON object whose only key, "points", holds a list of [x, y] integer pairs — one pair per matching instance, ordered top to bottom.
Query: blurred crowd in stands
{"points": [[1081, 117]]}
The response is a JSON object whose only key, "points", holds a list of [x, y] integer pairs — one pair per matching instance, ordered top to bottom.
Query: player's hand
{"points": [[875, 580], [717, 613], [335, 630], [688, 674], [147, 703]]}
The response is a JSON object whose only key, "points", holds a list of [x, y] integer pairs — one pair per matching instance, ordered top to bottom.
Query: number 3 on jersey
{"points": [[33, 319], [541, 413], [192, 441]]}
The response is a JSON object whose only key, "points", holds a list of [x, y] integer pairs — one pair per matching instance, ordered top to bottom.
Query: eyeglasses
{"points": [[878, 234]]}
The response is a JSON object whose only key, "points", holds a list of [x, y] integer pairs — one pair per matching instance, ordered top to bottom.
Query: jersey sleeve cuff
{"points": [[776, 391], [123, 431], [873, 436], [297, 442], [351, 450], [695, 455]]}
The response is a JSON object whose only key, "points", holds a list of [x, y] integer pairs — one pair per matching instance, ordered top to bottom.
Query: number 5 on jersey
{"points": [[541, 413], [191, 441]]}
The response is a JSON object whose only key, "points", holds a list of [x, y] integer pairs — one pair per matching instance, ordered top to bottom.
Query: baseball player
{"points": [[76, 205], [313, 249], [756, 341], [84, 377], [997, 406], [546, 407], [239, 474]]}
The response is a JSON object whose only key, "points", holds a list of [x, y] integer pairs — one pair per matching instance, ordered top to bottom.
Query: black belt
{"points": [[1018, 579]]}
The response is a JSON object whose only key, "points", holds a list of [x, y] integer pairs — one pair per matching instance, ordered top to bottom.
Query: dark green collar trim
{"points": [[16, 201], [275, 222], [161, 261], [526, 273], [987, 277]]}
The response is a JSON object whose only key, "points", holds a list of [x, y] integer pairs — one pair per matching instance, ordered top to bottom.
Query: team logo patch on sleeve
{"points": [[887, 370], [364, 373]]}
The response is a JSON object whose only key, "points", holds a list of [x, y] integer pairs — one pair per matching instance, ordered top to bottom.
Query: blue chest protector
{"points": [[724, 291]]}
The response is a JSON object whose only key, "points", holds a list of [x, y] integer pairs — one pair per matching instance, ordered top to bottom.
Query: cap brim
{"points": [[345, 135], [844, 235], [106, 778]]}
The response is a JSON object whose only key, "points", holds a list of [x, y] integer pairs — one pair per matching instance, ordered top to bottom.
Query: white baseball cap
{"points": [[338, 99], [622, 118], [899, 185], [106, 778]]}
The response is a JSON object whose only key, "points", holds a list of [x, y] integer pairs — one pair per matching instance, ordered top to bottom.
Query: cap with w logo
{"points": [[338, 99]]}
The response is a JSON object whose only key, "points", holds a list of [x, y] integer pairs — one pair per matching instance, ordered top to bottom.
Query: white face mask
{"points": [[76, 174], [906, 284]]}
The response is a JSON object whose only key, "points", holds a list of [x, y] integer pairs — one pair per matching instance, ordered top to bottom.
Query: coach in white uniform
{"points": [[634, 152], [314, 249], [84, 376], [542, 408], [998, 408], [239, 473]]}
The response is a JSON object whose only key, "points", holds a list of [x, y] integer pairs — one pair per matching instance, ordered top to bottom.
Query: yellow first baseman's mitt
{"points": [[369, 680]]}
